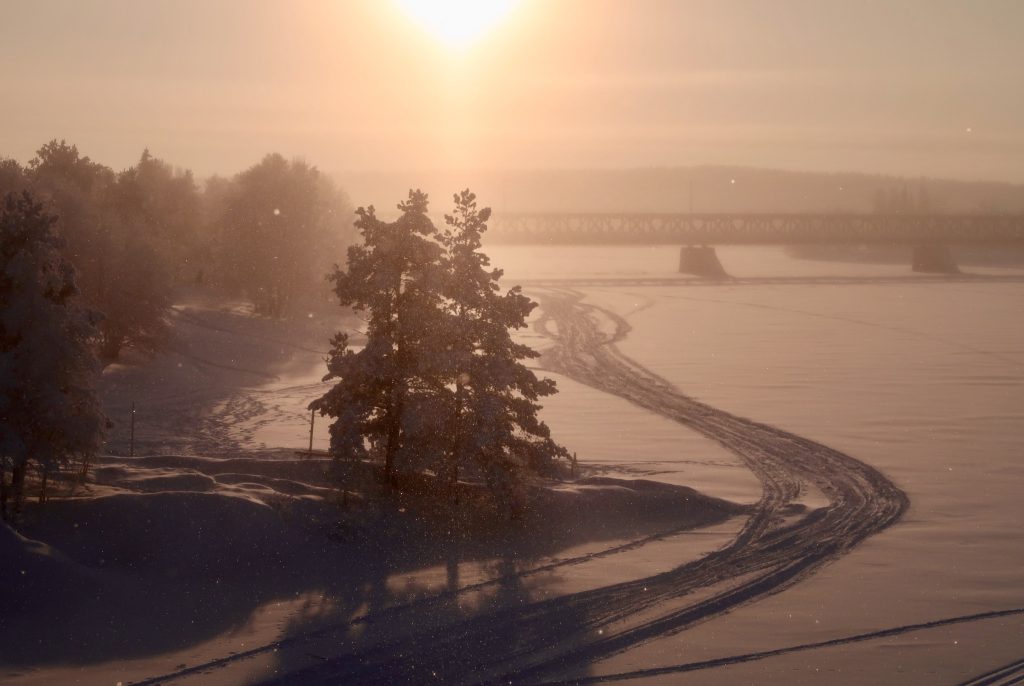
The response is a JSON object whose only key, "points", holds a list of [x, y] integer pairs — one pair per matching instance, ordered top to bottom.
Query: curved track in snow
{"points": [[558, 638]]}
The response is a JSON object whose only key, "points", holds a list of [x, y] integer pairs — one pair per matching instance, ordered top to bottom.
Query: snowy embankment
{"points": [[162, 553]]}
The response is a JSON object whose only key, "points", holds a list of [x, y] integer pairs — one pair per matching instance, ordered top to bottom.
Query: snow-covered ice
{"points": [[921, 378]]}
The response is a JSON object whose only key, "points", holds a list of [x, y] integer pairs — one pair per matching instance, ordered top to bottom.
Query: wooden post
{"points": [[312, 418], [132, 440], [42, 485]]}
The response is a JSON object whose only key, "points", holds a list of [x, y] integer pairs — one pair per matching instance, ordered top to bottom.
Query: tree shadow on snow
{"points": [[153, 574]]}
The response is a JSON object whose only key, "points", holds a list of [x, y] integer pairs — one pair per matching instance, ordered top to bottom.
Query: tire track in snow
{"points": [[394, 612], [534, 641], [1006, 675], [998, 677]]}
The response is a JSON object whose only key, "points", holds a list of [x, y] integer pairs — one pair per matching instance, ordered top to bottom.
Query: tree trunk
{"points": [[110, 348], [460, 391], [397, 395], [394, 433], [456, 451], [43, 477], [453, 485], [3, 489], [17, 489]]}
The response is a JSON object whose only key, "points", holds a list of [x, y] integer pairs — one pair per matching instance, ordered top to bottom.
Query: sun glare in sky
{"points": [[457, 22]]}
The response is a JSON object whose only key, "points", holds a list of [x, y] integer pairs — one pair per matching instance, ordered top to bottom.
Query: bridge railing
{"points": [[755, 228]]}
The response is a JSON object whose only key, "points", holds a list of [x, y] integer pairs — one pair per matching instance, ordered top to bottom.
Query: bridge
{"points": [[756, 228], [927, 235]]}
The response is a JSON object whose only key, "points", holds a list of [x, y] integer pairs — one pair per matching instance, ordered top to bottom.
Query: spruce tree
{"points": [[393, 278], [440, 383], [49, 412], [494, 430]]}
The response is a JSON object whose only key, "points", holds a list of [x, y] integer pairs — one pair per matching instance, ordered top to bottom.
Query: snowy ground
{"points": [[918, 377], [922, 379]]}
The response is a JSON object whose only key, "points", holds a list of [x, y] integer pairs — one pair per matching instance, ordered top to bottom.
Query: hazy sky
{"points": [[915, 87]]}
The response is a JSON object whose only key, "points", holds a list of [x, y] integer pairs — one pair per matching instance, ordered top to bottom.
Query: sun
{"points": [[457, 23]]}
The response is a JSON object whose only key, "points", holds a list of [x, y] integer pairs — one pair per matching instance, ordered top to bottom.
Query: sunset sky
{"points": [[911, 87]]}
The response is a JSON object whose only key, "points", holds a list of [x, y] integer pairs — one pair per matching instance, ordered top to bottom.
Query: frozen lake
{"points": [[919, 377], [923, 380]]}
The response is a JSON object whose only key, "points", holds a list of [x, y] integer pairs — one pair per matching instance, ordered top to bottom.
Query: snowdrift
{"points": [[606, 507], [34, 575]]}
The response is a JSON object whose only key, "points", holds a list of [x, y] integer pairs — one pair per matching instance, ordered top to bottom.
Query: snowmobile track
{"points": [[558, 638]]}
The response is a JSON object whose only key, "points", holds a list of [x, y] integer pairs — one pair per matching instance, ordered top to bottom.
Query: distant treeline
{"points": [[700, 189], [269, 234]]}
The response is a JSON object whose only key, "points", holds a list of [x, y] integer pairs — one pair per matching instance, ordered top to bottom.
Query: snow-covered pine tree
{"points": [[393, 277], [50, 416], [494, 423]]}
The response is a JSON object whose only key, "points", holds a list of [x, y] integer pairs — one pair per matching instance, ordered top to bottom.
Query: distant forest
{"points": [[702, 189], [271, 232], [134, 236]]}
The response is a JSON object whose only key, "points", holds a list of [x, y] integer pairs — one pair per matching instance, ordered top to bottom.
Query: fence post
{"points": [[312, 418]]}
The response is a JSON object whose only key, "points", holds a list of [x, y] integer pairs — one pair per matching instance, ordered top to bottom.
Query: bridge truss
{"points": [[753, 229]]}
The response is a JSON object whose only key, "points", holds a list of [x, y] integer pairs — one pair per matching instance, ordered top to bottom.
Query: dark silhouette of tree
{"points": [[12, 177], [74, 187], [154, 199], [214, 200], [152, 216], [130, 235], [139, 235], [394, 278], [137, 300], [440, 383], [49, 413], [494, 423]]}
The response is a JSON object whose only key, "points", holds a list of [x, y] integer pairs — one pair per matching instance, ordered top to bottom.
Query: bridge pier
{"points": [[933, 258], [701, 260]]}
